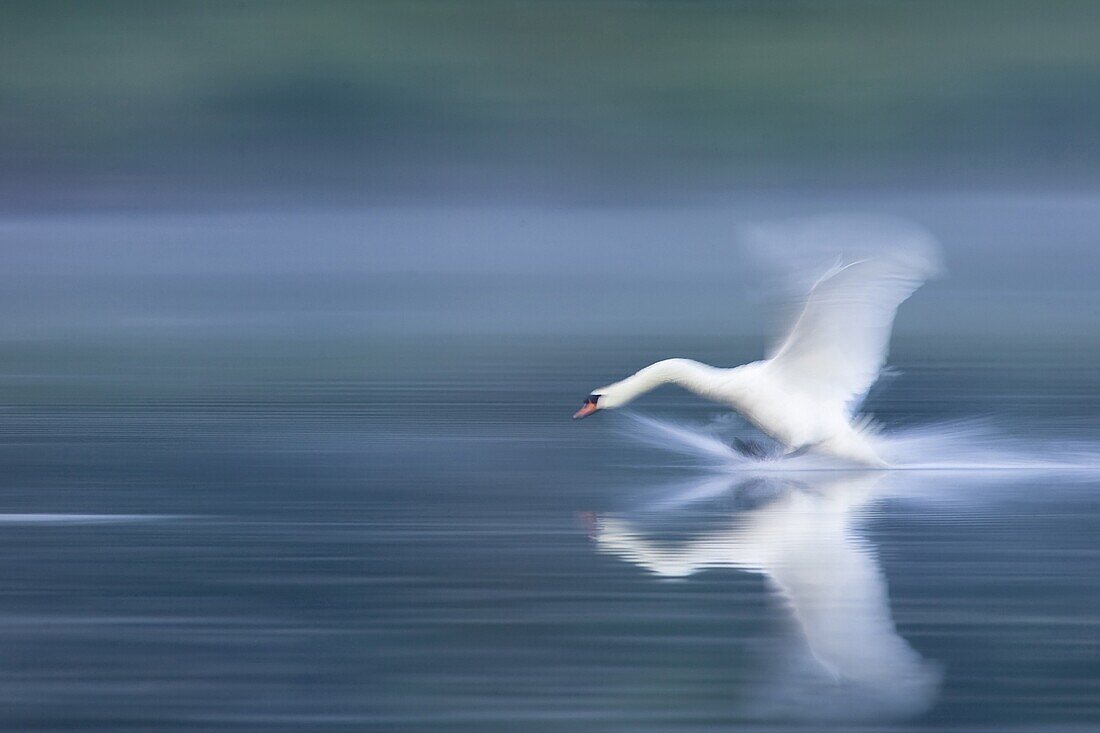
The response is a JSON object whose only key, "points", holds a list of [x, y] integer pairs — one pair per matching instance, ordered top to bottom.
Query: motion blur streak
{"points": [[296, 301]]}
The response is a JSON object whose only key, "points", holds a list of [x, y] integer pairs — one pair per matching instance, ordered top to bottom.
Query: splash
{"points": [[954, 446]]}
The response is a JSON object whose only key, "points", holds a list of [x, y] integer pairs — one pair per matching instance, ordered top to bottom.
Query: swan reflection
{"points": [[801, 534]]}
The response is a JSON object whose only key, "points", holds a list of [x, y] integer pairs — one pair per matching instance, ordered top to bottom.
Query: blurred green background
{"points": [[127, 104]]}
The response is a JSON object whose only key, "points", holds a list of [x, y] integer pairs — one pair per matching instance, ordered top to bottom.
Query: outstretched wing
{"points": [[840, 339]]}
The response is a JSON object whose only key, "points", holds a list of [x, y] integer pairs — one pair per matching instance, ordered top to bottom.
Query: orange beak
{"points": [[586, 409]]}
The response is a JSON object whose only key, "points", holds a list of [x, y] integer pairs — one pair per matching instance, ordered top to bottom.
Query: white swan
{"points": [[806, 393]]}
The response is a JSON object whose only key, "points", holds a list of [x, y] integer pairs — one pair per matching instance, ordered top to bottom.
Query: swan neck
{"points": [[691, 375]]}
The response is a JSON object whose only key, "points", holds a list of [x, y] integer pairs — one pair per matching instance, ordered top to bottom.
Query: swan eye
{"points": [[592, 399]]}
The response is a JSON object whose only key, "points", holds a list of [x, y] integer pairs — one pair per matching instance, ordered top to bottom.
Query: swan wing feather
{"points": [[839, 341]]}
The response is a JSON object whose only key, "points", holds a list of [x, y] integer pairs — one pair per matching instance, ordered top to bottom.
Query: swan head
{"points": [[622, 392], [607, 398], [591, 404]]}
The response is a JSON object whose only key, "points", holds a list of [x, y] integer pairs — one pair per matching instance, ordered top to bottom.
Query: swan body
{"points": [[806, 394], [794, 417]]}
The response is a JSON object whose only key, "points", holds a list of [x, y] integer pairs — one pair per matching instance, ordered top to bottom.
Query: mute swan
{"points": [[806, 393]]}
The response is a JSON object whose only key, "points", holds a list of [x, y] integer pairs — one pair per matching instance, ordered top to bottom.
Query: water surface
{"points": [[409, 534]]}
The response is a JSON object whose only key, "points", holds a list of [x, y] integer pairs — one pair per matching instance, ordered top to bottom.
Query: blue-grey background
{"points": [[296, 300]]}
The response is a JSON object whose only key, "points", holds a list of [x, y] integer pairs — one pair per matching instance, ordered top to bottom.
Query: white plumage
{"points": [[806, 394], [804, 540]]}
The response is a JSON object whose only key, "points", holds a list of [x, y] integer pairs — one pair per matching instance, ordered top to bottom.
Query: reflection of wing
{"points": [[838, 343], [803, 543], [838, 596]]}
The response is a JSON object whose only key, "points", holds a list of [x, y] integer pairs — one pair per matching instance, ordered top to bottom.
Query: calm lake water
{"points": [[410, 534]]}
